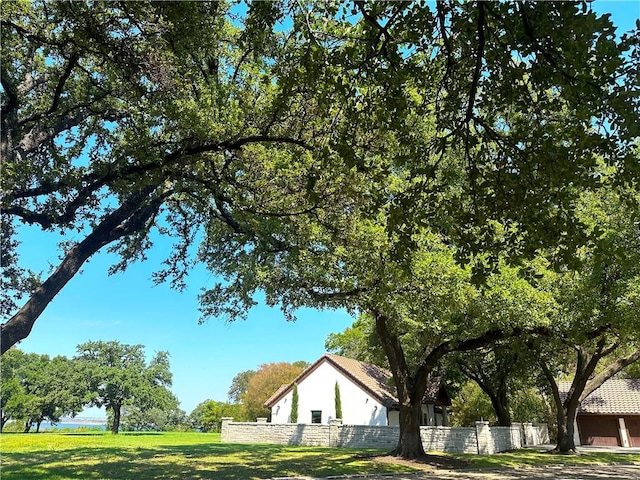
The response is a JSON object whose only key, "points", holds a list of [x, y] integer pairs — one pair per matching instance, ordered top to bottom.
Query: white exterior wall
{"points": [[317, 391], [281, 411], [394, 417], [429, 417], [576, 433]]}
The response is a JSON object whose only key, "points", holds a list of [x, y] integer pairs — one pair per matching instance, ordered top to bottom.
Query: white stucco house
{"points": [[366, 391]]}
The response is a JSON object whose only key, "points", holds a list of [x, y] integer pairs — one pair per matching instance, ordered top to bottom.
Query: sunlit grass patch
{"points": [[172, 455], [142, 456]]}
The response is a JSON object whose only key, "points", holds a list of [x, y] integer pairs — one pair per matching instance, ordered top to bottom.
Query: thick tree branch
{"points": [[440, 5], [373, 21], [382, 30], [529, 31], [26, 34], [475, 80], [55, 102], [11, 105], [8, 116], [40, 135], [94, 180], [129, 218], [329, 296], [441, 350], [395, 354], [608, 372], [475, 374], [551, 381]]}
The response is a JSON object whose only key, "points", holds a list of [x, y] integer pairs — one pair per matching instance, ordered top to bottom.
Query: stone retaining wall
{"points": [[278, 433], [364, 436], [449, 439], [481, 439], [502, 439]]}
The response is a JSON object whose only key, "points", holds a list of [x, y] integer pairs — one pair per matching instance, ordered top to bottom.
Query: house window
{"points": [[316, 416]]}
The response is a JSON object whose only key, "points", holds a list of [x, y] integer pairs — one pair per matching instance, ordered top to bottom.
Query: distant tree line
{"points": [[36, 388]]}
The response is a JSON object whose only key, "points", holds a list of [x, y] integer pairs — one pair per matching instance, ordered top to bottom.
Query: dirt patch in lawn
{"points": [[427, 462]]}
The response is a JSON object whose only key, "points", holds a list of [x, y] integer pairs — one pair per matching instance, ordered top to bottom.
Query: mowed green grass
{"points": [[140, 456]]}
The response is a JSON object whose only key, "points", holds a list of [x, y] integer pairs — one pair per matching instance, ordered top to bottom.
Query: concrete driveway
{"points": [[589, 448]]}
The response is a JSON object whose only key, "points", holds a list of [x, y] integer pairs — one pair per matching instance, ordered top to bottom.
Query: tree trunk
{"points": [[411, 386], [410, 390], [500, 403], [566, 411], [38, 423], [115, 425], [27, 426], [566, 429], [410, 442]]}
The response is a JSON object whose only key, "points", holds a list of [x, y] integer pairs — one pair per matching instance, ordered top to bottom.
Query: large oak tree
{"points": [[124, 116], [119, 119], [261, 132], [596, 332], [117, 375]]}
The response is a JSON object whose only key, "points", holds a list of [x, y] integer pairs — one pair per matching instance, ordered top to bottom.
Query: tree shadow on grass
{"points": [[203, 461]]}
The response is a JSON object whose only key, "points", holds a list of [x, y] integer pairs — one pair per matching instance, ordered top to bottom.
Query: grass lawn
{"points": [[142, 456]]}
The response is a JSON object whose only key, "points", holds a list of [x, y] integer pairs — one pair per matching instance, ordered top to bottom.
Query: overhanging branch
{"points": [[475, 80], [130, 217]]}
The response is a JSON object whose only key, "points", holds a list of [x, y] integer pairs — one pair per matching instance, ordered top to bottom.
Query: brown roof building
{"points": [[610, 415]]}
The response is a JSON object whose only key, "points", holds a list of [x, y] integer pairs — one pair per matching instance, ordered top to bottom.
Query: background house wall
{"points": [[317, 392], [610, 415], [429, 416], [608, 430]]}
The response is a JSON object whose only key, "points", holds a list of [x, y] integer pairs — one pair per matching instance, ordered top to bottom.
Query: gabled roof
{"points": [[376, 381], [277, 394], [615, 396]]}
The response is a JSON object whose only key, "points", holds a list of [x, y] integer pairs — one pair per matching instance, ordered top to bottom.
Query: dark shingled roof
{"points": [[377, 381], [615, 396]]}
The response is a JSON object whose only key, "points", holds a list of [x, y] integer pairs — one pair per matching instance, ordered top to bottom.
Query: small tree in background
{"points": [[267, 379], [239, 386], [338, 401], [294, 404], [470, 405], [207, 417]]}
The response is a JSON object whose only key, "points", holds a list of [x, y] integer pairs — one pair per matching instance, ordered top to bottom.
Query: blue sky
{"points": [[127, 307], [204, 358]]}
